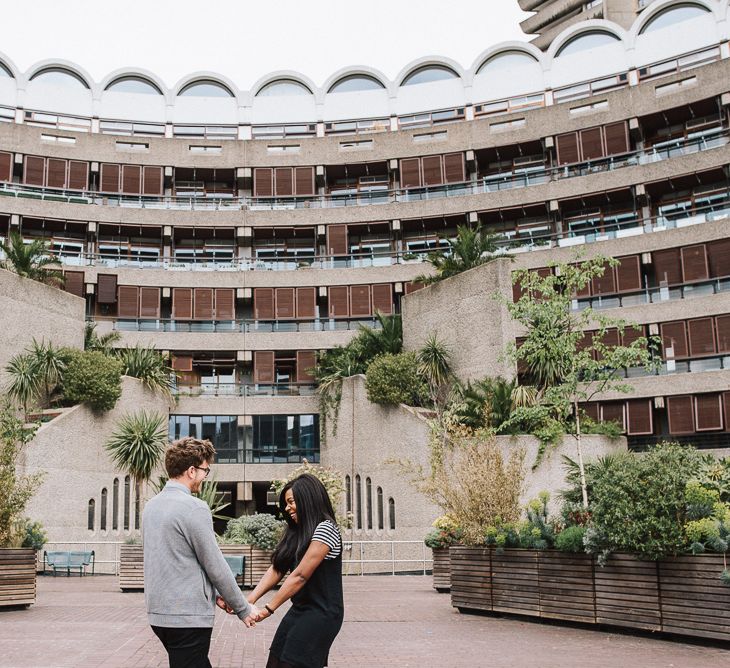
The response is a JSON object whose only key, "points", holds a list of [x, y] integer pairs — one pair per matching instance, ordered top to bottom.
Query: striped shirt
{"points": [[328, 533]]}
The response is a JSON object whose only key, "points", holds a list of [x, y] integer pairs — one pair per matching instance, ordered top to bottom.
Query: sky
{"points": [[245, 40]]}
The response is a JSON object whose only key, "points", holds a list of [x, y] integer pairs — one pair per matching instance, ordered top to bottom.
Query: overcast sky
{"points": [[245, 40]]}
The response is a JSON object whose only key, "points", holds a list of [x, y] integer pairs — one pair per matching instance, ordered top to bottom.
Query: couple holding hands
{"points": [[186, 574]]}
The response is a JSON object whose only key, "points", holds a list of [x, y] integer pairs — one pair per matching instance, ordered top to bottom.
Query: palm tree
{"points": [[31, 260], [374, 341], [103, 343], [49, 363], [434, 365], [149, 366], [25, 383], [137, 444], [210, 494]]}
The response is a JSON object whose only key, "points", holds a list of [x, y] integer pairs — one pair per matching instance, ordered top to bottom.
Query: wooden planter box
{"points": [[131, 567], [441, 569], [17, 577], [682, 595]]}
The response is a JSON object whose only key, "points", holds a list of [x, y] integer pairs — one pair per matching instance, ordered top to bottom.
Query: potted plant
{"points": [[259, 534], [444, 534]]}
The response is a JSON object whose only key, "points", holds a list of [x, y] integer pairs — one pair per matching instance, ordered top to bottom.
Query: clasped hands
{"points": [[255, 615]]}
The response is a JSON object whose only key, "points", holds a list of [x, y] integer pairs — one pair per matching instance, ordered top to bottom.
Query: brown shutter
{"points": [[617, 138], [591, 143], [567, 148], [6, 166], [454, 168], [34, 170], [410, 173], [432, 173], [56, 174], [78, 175], [109, 178], [131, 179], [152, 180], [304, 180], [283, 181], [263, 182], [337, 240], [718, 253], [694, 263], [667, 266], [628, 274], [74, 283], [606, 284], [413, 286], [106, 289], [383, 298], [360, 300], [128, 301], [149, 302], [338, 302], [182, 303], [263, 303], [285, 303], [306, 303], [203, 304], [225, 304], [722, 327], [630, 335], [674, 335], [701, 337], [610, 339], [182, 363], [305, 366], [263, 367], [591, 409], [726, 409], [613, 412], [681, 415], [708, 415], [639, 417]]}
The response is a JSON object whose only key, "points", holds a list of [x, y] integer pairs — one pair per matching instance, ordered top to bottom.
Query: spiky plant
{"points": [[32, 260], [388, 338], [101, 343], [49, 363], [149, 366], [434, 366], [25, 384], [137, 444], [210, 494]]}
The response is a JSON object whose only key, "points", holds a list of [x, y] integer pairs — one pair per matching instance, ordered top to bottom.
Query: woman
{"points": [[311, 549]]}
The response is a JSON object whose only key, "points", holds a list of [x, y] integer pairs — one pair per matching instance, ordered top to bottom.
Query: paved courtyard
{"points": [[389, 621]]}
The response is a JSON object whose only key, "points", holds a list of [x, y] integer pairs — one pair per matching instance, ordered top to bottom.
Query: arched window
{"points": [[673, 15], [587, 40], [505, 61], [5, 71], [428, 74], [59, 77], [355, 82], [134, 85], [283, 87], [205, 88], [137, 493], [348, 494], [126, 502], [358, 502], [369, 503], [115, 505], [380, 508], [391, 513], [91, 515], [102, 518]]}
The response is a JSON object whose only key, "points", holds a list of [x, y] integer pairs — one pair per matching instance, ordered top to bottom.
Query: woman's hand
{"points": [[223, 605]]}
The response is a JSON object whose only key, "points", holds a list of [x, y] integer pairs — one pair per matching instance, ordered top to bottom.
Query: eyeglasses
{"points": [[206, 469]]}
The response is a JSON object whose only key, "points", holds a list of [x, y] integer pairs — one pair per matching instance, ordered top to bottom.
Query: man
{"points": [[183, 565]]}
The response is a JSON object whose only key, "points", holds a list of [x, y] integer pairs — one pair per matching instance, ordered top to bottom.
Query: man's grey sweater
{"points": [[183, 565]]}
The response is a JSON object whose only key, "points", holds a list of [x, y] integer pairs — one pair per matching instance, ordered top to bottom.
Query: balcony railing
{"points": [[236, 326], [246, 390]]}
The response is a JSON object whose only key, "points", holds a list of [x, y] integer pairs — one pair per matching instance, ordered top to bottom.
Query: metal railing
{"points": [[238, 326], [246, 390]]}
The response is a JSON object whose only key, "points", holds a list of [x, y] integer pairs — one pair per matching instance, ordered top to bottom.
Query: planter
{"points": [[131, 567], [441, 570], [17, 577], [683, 595]]}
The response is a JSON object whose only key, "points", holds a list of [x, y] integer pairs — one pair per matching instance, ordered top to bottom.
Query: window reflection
{"points": [[586, 41], [428, 74]]}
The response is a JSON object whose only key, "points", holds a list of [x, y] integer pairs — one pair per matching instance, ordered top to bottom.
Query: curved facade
{"points": [[242, 231]]}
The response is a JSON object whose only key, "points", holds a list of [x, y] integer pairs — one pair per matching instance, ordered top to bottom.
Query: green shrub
{"points": [[92, 377], [394, 379], [260, 530], [445, 533], [35, 536], [570, 539]]}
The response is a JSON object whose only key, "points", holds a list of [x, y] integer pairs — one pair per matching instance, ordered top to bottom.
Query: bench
{"points": [[68, 560], [237, 564]]}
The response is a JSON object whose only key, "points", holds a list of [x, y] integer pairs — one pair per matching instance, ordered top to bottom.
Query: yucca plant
{"points": [[32, 260], [374, 341], [103, 343], [49, 363], [149, 366], [434, 366], [25, 383], [137, 444], [210, 494]]}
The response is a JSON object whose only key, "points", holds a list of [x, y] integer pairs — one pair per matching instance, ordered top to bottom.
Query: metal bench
{"points": [[68, 560]]}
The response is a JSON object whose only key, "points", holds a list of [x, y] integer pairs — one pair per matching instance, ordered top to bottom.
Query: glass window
{"points": [[673, 15], [586, 41], [506, 60], [5, 71], [428, 74], [60, 77], [354, 83], [134, 85], [283, 87], [205, 88], [284, 439], [348, 494], [358, 501], [126, 502], [369, 503], [115, 504], [137, 504], [380, 508], [391, 513], [91, 514], [102, 519]]}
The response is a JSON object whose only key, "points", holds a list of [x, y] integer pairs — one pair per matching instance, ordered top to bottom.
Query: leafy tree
{"points": [[31, 260], [92, 377], [394, 379], [137, 444]]}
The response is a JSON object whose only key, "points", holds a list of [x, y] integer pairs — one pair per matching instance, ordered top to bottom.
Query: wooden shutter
{"points": [[617, 138], [591, 143], [567, 148], [6, 166], [34, 170], [454, 171], [432, 172], [410, 173], [56, 174], [78, 175], [109, 178], [131, 179], [152, 180], [304, 180], [284, 181], [263, 182], [337, 240], [718, 253], [694, 263], [667, 266], [628, 274], [74, 283], [606, 284], [413, 286], [106, 289], [383, 298], [360, 300], [128, 302], [149, 302], [338, 302], [182, 303], [263, 303], [285, 303], [306, 303], [203, 304], [225, 304], [722, 328], [674, 334], [630, 335], [701, 337], [610, 339], [182, 363], [305, 366], [263, 367], [591, 409], [726, 409], [613, 412], [708, 412], [681, 415], [639, 417]]}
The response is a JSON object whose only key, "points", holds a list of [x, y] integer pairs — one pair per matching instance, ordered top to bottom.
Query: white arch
{"points": [[661, 5], [594, 25], [505, 47], [419, 63], [10, 65], [73, 68], [355, 70], [136, 73], [205, 75], [290, 75]]}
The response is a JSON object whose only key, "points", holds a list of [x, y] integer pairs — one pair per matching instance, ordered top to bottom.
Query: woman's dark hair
{"points": [[313, 506]]}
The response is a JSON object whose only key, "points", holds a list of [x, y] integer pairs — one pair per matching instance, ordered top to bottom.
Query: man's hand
{"points": [[223, 605], [263, 613], [252, 617]]}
